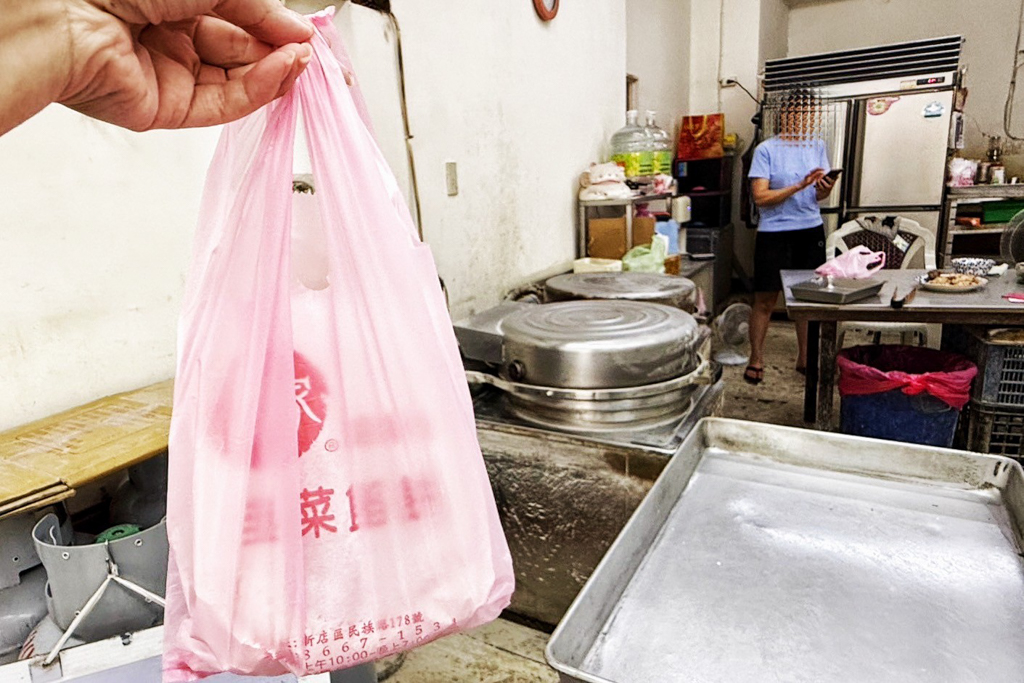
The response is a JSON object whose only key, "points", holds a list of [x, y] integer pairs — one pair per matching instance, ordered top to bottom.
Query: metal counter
{"points": [[564, 498]]}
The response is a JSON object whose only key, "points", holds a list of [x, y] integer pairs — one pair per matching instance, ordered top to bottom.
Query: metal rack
{"points": [[955, 196], [627, 204]]}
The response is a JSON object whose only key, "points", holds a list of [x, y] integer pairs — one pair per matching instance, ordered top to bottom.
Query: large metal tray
{"points": [[839, 291], [767, 553]]}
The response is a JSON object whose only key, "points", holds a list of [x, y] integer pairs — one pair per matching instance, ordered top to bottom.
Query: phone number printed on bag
{"points": [[371, 505], [368, 640]]}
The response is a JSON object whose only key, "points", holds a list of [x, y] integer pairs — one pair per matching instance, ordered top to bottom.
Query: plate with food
{"points": [[937, 281]]}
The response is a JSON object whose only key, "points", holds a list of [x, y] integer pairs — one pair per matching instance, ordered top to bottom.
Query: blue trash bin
{"points": [[894, 415]]}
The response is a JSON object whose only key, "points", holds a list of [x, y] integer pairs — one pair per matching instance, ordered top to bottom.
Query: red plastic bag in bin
{"points": [[328, 502]]}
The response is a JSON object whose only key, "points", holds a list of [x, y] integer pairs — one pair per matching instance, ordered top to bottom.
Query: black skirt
{"points": [[786, 250]]}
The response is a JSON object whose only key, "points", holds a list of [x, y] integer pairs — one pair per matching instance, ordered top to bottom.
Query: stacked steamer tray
{"points": [[994, 419]]}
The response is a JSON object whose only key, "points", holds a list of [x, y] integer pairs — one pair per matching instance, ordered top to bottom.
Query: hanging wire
{"points": [[1012, 89], [750, 94]]}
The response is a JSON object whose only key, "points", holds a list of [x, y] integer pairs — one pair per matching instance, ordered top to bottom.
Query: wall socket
{"points": [[727, 81], [451, 177]]}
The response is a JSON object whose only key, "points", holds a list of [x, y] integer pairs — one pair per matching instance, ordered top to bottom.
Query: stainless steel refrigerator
{"points": [[888, 111]]}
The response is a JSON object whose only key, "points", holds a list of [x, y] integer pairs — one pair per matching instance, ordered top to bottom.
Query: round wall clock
{"points": [[546, 9]]}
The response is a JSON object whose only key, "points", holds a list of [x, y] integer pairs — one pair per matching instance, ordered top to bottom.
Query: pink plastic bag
{"points": [[856, 264], [328, 502]]}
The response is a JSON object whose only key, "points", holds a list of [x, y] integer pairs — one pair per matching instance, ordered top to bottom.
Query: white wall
{"points": [[989, 26], [774, 31], [727, 41], [741, 49], [658, 53], [705, 56], [522, 107], [97, 222], [94, 242]]}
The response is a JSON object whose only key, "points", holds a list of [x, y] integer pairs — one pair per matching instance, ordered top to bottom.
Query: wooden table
{"points": [[984, 307], [43, 462]]}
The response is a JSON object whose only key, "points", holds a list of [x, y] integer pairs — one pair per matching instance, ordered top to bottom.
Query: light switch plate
{"points": [[451, 174]]}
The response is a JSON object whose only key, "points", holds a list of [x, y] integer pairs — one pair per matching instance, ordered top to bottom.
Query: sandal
{"points": [[753, 375]]}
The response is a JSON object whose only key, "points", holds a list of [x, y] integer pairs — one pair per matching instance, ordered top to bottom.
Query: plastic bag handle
{"points": [[326, 100], [881, 262]]}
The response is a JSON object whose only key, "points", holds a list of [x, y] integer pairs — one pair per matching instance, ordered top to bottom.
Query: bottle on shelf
{"points": [[629, 145], [661, 148]]}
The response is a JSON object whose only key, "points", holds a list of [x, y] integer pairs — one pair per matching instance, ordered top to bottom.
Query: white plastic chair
{"points": [[924, 241]]}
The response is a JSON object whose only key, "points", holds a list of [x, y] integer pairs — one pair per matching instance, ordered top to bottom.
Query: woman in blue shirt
{"points": [[787, 180]]}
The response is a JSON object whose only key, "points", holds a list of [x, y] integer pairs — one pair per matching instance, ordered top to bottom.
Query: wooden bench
{"points": [[43, 462]]}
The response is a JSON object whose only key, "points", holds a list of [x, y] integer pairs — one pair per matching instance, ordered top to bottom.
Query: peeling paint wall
{"points": [[97, 222]]}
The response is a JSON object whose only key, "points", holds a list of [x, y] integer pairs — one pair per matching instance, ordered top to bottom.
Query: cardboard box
{"points": [[643, 230], [606, 238]]}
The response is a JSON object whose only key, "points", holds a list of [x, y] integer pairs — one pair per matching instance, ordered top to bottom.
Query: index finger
{"points": [[268, 20]]}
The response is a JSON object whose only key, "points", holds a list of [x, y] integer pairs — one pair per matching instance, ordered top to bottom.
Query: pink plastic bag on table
{"points": [[857, 263], [328, 502]]}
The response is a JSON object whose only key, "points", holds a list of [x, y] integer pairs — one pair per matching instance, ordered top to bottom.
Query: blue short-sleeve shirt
{"points": [[784, 163]]}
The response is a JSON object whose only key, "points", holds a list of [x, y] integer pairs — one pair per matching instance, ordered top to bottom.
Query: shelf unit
{"points": [[708, 184], [957, 196], [628, 206]]}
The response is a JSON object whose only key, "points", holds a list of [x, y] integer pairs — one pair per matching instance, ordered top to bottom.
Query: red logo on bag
{"points": [[309, 398]]}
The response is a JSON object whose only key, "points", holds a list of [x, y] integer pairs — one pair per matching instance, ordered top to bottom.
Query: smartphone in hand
{"points": [[834, 173]]}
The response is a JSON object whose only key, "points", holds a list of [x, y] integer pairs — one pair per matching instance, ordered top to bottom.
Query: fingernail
{"points": [[297, 18], [305, 54]]}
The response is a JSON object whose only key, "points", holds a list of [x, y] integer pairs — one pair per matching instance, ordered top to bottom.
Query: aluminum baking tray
{"points": [[838, 291], [767, 553]]}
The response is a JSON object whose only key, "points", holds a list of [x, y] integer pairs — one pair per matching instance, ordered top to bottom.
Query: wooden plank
{"points": [[46, 460], [36, 499]]}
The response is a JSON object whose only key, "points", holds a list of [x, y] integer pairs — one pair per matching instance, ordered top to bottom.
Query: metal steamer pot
{"points": [[654, 288], [599, 365]]}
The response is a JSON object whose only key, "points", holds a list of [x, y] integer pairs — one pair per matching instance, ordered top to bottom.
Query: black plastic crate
{"points": [[1000, 361], [998, 431]]}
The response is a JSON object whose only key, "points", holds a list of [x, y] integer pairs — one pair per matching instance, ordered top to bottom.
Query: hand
{"points": [[145, 64], [811, 178], [825, 184]]}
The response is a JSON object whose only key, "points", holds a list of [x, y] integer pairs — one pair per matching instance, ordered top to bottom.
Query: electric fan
{"points": [[731, 334]]}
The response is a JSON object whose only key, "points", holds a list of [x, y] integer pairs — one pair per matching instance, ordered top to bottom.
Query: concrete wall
{"points": [[989, 27], [658, 53], [98, 221]]}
